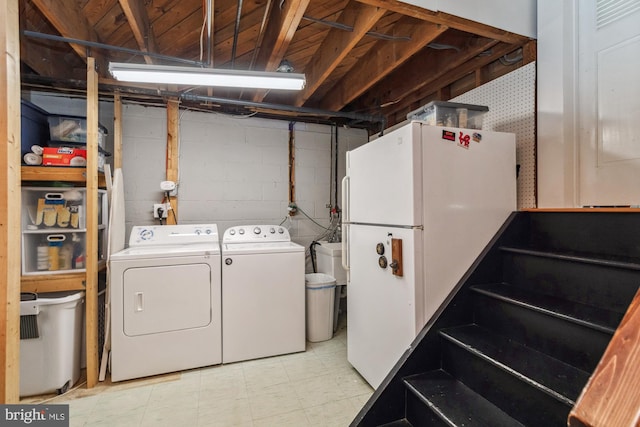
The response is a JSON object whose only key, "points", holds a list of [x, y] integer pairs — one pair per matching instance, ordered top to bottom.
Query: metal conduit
{"points": [[209, 18], [349, 28], [236, 31], [79, 84], [191, 97], [280, 107]]}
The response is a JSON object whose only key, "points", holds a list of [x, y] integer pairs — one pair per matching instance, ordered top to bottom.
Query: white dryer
{"points": [[263, 293], [165, 301]]}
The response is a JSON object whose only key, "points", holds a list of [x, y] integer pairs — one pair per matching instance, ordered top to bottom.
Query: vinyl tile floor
{"points": [[317, 387]]}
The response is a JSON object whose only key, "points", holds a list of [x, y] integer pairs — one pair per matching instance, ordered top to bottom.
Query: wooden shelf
{"points": [[58, 173], [53, 282], [39, 283]]}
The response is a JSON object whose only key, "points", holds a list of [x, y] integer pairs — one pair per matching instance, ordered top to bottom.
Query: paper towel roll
{"points": [[32, 159], [78, 161]]}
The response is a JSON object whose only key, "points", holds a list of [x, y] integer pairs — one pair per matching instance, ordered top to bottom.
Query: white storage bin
{"points": [[453, 114], [54, 229], [320, 293], [50, 342]]}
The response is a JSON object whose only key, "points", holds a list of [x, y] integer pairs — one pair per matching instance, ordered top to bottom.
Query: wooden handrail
{"points": [[611, 396]]}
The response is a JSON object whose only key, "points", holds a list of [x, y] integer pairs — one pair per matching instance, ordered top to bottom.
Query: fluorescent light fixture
{"points": [[192, 76]]}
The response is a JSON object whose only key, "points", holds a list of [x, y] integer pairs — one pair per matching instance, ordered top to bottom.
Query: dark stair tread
{"points": [[599, 259], [594, 317], [554, 377], [456, 403], [398, 423]]}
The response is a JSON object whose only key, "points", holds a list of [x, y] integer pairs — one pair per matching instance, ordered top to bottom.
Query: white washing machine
{"points": [[263, 293], [165, 301]]}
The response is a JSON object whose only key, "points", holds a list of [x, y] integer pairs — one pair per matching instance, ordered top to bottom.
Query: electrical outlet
{"points": [[161, 210]]}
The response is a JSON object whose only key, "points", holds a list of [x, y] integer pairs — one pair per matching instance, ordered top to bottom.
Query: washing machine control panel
{"points": [[256, 233], [147, 235]]}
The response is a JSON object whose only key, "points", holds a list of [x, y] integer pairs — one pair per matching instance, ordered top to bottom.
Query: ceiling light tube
{"points": [[167, 74]]}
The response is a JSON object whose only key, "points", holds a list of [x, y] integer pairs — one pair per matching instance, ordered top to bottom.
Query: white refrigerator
{"points": [[419, 205]]}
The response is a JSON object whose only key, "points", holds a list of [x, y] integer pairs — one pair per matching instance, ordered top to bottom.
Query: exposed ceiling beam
{"points": [[68, 19], [138, 19], [448, 20], [281, 26], [337, 45], [381, 60], [46, 62], [422, 69], [453, 74]]}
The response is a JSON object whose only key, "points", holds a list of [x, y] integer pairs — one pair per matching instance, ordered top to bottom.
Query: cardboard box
{"points": [[64, 156], [69, 156]]}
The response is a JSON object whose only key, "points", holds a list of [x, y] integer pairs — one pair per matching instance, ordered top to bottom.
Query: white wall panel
{"points": [[516, 16]]}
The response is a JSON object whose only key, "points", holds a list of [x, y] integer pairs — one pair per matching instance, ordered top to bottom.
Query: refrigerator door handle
{"points": [[345, 222]]}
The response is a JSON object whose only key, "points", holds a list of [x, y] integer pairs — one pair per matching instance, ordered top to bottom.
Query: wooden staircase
{"points": [[519, 337]]}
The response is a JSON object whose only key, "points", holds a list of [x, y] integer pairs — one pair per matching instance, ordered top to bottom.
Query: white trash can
{"points": [[320, 290], [50, 341]]}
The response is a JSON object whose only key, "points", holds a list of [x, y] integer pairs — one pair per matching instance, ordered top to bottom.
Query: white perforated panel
{"points": [[511, 101]]}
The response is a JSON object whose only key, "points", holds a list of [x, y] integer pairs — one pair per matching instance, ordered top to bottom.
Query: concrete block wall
{"points": [[232, 171]]}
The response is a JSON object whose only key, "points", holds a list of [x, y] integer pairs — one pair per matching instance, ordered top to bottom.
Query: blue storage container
{"points": [[34, 129]]}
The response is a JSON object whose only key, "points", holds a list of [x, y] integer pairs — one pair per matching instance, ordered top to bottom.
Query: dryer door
{"points": [[166, 298]]}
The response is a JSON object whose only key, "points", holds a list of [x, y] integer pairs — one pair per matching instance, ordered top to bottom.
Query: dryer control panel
{"points": [[256, 233], [144, 235]]}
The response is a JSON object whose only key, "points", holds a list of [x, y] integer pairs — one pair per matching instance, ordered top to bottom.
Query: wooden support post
{"points": [[117, 130], [173, 136], [9, 203], [91, 297]]}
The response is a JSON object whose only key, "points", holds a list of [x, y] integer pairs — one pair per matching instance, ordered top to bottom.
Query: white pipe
{"points": [[345, 222]]}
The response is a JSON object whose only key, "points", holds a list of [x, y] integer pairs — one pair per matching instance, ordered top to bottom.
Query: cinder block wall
{"points": [[233, 171]]}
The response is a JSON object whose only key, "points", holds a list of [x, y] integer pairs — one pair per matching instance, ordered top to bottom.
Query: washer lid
{"points": [[260, 248], [163, 251]]}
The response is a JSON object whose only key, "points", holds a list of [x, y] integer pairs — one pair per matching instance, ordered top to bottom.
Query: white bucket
{"points": [[50, 359]]}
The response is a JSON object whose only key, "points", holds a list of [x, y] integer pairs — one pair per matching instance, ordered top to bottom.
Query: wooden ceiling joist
{"points": [[138, 19], [68, 20], [448, 20], [281, 27], [338, 44], [349, 50], [381, 60], [424, 68], [451, 76]]}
